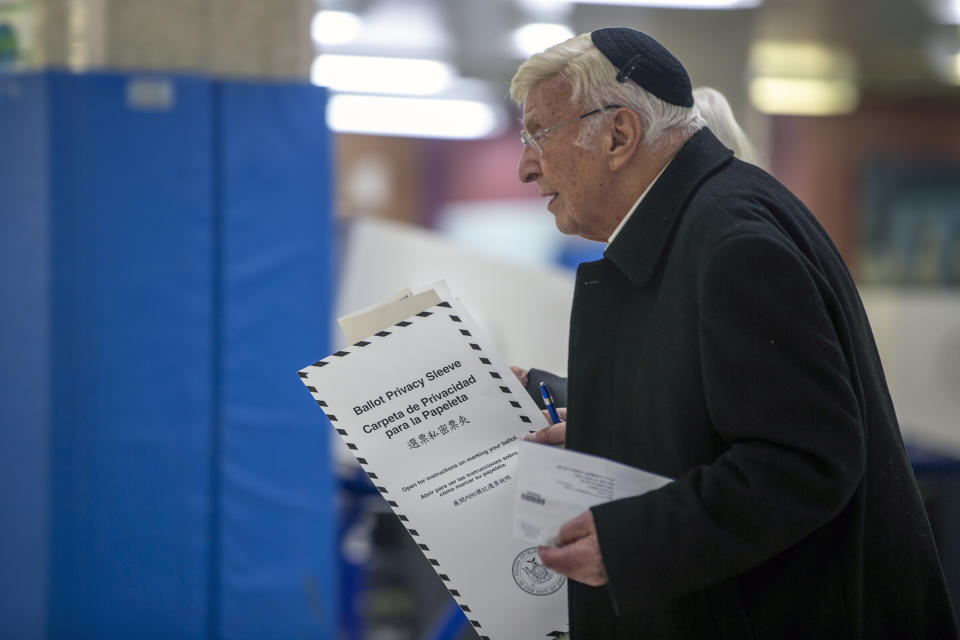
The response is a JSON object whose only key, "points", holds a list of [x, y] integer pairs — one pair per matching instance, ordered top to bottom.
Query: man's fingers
{"points": [[520, 373], [562, 412], [553, 434], [580, 527], [578, 557], [556, 558], [567, 559], [580, 561]]}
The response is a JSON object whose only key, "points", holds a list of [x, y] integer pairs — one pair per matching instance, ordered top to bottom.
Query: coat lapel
{"points": [[637, 248]]}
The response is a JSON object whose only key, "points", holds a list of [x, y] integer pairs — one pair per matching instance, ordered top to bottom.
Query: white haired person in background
{"points": [[715, 109]]}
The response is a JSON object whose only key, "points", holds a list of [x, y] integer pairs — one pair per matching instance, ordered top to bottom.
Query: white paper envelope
{"points": [[554, 485]]}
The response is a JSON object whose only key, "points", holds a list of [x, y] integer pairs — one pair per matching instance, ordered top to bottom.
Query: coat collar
{"points": [[637, 248]]}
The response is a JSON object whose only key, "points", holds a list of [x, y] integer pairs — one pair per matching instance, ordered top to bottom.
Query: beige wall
{"points": [[244, 38]]}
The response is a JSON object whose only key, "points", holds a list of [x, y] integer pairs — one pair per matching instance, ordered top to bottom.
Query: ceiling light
{"points": [[681, 4], [547, 10], [945, 11], [335, 27], [411, 28], [535, 37], [944, 58], [800, 59], [369, 74], [802, 78], [803, 96], [413, 117]]}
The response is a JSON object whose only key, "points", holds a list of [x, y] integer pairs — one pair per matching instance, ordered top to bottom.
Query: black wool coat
{"points": [[721, 342]]}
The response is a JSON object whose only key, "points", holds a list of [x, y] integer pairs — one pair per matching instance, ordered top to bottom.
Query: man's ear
{"points": [[625, 134]]}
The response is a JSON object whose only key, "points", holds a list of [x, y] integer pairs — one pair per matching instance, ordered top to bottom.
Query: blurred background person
{"points": [[715, 109]]}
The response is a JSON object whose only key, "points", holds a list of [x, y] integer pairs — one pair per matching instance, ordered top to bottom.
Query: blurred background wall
{"points": [[184, 186]]}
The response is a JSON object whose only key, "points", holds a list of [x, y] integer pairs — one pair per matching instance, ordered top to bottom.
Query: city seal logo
{"points": [[534, 578]]}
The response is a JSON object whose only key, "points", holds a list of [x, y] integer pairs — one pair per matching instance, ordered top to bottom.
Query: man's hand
{"points": [[521, 375], [551, 434], [578, 554]]}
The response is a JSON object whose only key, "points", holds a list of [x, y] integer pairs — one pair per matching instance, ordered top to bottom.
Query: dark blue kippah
{"points": [[647, 62]]}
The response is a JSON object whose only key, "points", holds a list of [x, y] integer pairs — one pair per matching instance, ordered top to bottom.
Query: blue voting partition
{"points": [[164, 250], [132, 310], [108, 352], [24, 354], [276, 511]]}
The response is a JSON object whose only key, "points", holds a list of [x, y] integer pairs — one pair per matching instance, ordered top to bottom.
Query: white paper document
{"points": [[435, 417], [555, 485]]}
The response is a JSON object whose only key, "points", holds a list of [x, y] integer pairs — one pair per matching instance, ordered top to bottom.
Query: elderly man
{"points": [[720, 342]]}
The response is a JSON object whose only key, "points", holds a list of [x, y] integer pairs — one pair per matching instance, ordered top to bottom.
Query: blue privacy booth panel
{"points": [[131, 231], [24, 357], [276, 489]]}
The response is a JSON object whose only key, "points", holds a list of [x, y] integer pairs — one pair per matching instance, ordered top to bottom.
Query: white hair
{"points": [[593, 80], [716, 111]]}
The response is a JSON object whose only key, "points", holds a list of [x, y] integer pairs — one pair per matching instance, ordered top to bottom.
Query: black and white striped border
{"points": [[442, 307], [406, 323]]}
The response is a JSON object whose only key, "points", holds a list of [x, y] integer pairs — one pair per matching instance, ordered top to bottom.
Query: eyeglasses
{"points": [[530, 140]]}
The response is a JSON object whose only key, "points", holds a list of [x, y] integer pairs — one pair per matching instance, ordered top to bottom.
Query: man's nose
{"points": [[528, 169]]}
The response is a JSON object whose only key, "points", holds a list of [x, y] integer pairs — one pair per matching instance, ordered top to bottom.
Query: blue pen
{"points": [[548, 401]]}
